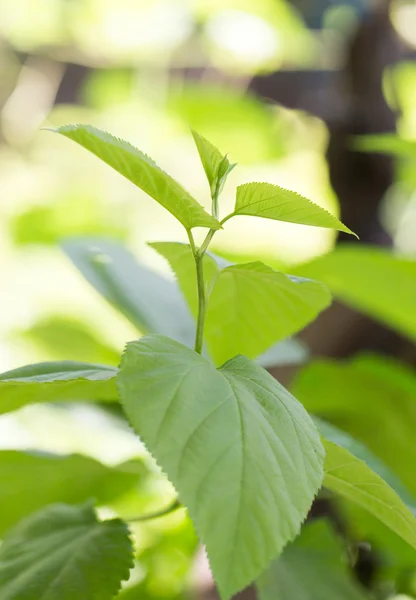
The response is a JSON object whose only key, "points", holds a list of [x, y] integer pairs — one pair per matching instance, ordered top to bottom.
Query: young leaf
{"points": [[216, 166], [143, 172], [273, 202], [358, 276], [149, 301], [250, 306], [64, 381], [363, 396], [243, 454], [71, 479], [352, 479], [62, 553], [313, 567]]}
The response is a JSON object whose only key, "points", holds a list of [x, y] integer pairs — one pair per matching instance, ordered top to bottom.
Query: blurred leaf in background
{"points": [[75, 216], [371, 280], [66, 338], [372, 398], [71, 479], [314, 567]]}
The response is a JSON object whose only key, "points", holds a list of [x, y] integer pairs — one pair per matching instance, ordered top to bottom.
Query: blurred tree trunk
{"points": [[360, 181]]}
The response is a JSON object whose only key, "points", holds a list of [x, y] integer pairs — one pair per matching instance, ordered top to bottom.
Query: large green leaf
{"points": [[386, 143], [216, 166], [143, 172], [273, 202], [374, 281], [149, 301], [250, 306], [65, 381], [373, 398], [242, 452], [352, 479], [31, 480], [62, 553], [313, 567]]}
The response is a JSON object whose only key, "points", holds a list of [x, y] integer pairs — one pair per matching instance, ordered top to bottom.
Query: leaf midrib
{"points": [[283, 203]]}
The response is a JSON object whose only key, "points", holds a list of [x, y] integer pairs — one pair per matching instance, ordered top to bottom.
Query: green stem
{"points": [[215, 202], [225, 219], [207, 241], [192, 242], [199, 263], [199, 338], [155, 515]]}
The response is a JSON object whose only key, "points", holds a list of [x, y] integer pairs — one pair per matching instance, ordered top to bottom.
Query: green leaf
{"points": [[386, 143], [216, 166], [143, 172], [273, 202], [77, 211], [181, 260], [358, 276], [149, 301], [250, 306], [60, 337], [65, 381], [364, 396], [359, 450], [243, 454], [71, 479], [352, 479], [62, 553], [166, 562], [313, 567]]}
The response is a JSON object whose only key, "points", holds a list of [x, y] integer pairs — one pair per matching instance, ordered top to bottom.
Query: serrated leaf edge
{"points": [[278, 188], [290, 539]]}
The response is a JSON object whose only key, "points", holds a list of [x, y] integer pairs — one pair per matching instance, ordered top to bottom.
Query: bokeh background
{"points": [[279, 85]]}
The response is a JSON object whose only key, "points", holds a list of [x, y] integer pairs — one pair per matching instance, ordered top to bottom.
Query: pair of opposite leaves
{"points": [[288, 303]]}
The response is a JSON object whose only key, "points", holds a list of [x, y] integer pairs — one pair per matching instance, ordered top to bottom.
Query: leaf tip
{"points": [[346, 229]]}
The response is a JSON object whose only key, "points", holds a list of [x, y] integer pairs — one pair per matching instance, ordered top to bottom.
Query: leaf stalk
{"points": [[159, 513]]}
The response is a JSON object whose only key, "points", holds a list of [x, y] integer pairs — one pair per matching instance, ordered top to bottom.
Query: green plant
{"points": [[245, 457]]}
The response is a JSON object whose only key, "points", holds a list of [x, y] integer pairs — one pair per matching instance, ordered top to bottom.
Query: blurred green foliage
{"points": [[148, 70]]}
